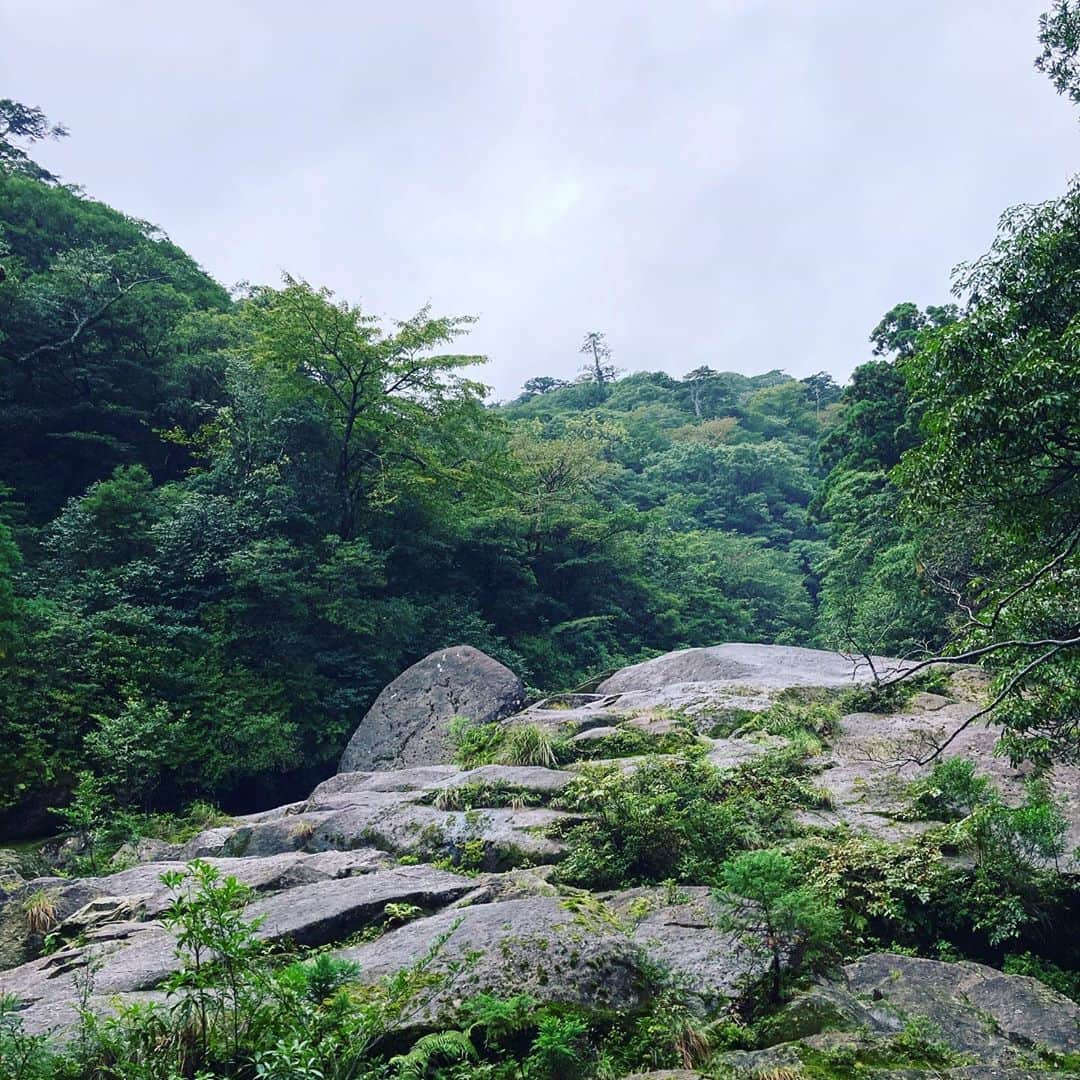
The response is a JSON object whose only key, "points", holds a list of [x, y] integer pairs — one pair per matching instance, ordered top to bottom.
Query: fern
{"points": [[448, 1045]]}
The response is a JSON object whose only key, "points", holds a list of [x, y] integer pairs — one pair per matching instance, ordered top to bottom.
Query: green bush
{"points": [[627, 741], [474, 744], [530, 744], [950, 792], [675, 818], [792, 925]]}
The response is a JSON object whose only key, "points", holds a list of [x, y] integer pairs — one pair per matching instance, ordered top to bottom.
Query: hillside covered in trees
{"points": [[230, 520]]}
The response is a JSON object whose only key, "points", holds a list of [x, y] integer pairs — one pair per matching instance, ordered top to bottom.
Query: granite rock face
{"points": [[407, 724], [457, 870], [990, 1025]]}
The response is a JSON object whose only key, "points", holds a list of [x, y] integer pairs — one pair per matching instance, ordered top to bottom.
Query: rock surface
{"points": [[763, 667], [407, 724], [492, 916], [569, 949], [989, 1024]]}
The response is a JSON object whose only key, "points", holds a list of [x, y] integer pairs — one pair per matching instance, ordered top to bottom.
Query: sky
{"points": [[748, 184]]}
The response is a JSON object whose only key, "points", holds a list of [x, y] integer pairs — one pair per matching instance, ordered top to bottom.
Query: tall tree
{"points": [[26, 124], [599, 369], [382, 392], [1001, 461]]}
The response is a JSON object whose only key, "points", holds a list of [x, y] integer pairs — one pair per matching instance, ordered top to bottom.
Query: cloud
{"points": [[744, 184]]}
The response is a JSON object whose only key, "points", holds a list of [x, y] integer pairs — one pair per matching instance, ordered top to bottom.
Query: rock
{"points": [[770, 667], [407, 725], [529, 778], [867, 785], [398, 812], [145, 849], [11, 867], [138, 893], [102, 910], [331, 910], [677, 928], [537, 946], [594, 952], [127, 957], [115, 962], [977, 1008], [1000, 1026]]}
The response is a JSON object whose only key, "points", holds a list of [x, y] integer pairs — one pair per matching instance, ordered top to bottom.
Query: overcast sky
{"points": [[747, 184]]}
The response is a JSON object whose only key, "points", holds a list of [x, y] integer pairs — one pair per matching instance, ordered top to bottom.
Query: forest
{"points": [[229, 517]]}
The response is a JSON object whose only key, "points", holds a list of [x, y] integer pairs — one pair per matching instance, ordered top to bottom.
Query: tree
{"points": [[1059, 35], [28, 124], [899, 329], [96, 361], [599, 370], [542, 384], [822, 390], [381, 392], [707, 392], [1001, 458], [790, 924]]}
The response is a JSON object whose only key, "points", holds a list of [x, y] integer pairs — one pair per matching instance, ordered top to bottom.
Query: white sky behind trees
{"points": [[747, 184]]}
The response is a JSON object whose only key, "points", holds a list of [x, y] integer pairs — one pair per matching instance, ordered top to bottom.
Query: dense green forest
{"points": [[229, 519]]}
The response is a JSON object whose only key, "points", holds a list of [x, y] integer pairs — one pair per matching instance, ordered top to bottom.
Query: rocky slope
{"points": [[421, 859]]}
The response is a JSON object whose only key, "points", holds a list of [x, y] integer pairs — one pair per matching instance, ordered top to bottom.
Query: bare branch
{"points": [[86, 321], [1013, 683]]}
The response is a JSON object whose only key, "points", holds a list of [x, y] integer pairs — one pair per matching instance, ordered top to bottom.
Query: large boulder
{"points": [[767, 667], [407, 725], [597, 952], [994, 1026]]}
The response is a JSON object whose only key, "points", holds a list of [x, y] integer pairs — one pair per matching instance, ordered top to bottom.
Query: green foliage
{"points": [[1059, 36], [995, 483], [264, 508], [787, 717], [630, 741], [474, 744], [530, 744], [949, 792], [675, 819], [888, 895], [907, 895], [792, 925], [1035, 967], [218, 983], [920, 1041], [439, 1045], [557, 1049], [22, 1056]]}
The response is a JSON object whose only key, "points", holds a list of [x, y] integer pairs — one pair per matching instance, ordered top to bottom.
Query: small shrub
{"points": [[793, 719], [628, 741], [474, 744], [529, 744], [950, 792], [302, 832], [39, 910], [399, 913], [793, 925], [920, 1042], [558, 1051], [22, 1056]]}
